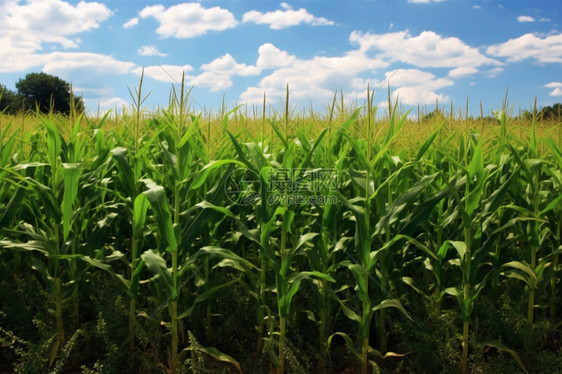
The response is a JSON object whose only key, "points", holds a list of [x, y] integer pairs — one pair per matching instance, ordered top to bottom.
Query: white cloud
{"points": [[287, 17], [524, 19], [544, 19], [188, 20], [131, 23], [26, 28], [529, 46], [428, 49], [149, 50], [271, 57], [63, 64], [462, 71], [166, 73], [492, 73], [217, 74], [317, 78], [416, 86], [557, 88], [107, 103]]}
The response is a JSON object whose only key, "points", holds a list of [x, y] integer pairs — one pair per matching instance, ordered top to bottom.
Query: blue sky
{"points": [[427, 50]]}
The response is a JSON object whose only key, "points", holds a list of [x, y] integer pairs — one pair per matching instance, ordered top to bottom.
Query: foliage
{"points": [[44, 92], [150, 242]]}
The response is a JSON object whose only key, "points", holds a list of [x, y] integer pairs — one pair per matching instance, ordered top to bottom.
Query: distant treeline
{"points": [[39, 91]]}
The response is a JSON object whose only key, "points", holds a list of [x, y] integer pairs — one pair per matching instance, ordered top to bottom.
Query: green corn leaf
{"points": [[279, 133], [53, 141], [425, 146], [476, 166], [126, 173], [204, 173], [71, 179], [156, 195], [556, 203], [140, 209], [11, 210], [460, 247], [157, 266], [204, 296], [285, 299], [392, 303], [348, 312], [348, 343], [270, 347], [503, 348], [218, 355]]}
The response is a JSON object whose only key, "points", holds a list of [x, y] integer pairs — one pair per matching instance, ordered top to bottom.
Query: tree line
{"points": [[39, 92]]}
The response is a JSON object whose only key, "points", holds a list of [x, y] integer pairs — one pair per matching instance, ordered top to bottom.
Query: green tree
{"points": [[47, 92], [10, 102], [551, 113]]}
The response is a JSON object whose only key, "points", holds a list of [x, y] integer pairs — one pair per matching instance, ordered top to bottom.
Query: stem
{"points": [[535, 243], [555, 262], [74, 275], [282, 286], [466, 296], [132, 302], [261, 303], [58, 310], [132, 312], [174, 317], [282, 334], [322, 334], [465, 336], [364, 360]]}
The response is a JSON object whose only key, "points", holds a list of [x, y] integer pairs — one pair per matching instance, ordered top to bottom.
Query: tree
{"points": [[46, 92], [9, 101], [548, 113], [551, 113]]}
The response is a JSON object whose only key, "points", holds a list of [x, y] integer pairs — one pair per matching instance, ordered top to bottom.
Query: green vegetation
{"points": [[42, 92], [359, 241]]}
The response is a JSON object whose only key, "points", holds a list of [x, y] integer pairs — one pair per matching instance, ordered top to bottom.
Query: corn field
{"points": [[355, 241]]}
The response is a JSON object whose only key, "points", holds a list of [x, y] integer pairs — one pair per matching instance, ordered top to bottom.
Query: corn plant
{"points": [[54, 226], [364, 259]]}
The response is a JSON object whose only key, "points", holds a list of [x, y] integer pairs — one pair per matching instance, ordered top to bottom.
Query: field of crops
{"points": [[355, 241]]}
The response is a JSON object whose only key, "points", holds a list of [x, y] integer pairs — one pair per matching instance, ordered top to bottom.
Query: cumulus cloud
{"points": [[288, 17], [524, 19], [188, 20], [131, 23], [27, 27], [427, 49], [546, 49], [150, 50], [271, 57], [60, 63], [463, 71], [166, 73], [491, 73], [217, 74], [319, 76], [315, 78], [417, 87], [557, 88], [107, 103]]}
